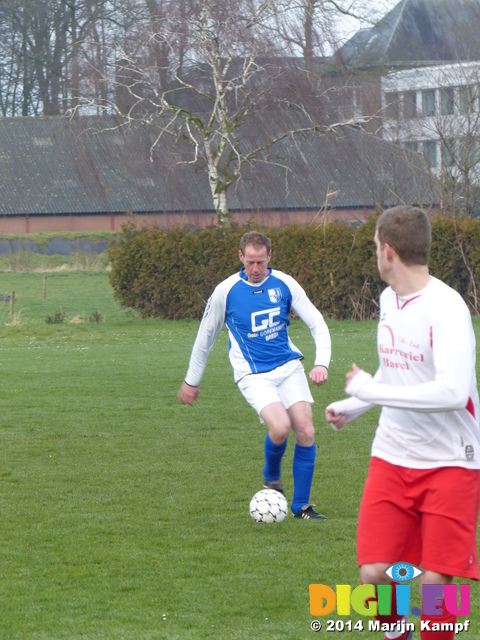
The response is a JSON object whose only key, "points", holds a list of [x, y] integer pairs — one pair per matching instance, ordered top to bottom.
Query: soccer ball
{"points": [[268, 505]]}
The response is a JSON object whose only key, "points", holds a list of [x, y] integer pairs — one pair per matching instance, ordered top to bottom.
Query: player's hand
{"points": [[351, 374], [319, 375], [188, 394], [336, 421]]}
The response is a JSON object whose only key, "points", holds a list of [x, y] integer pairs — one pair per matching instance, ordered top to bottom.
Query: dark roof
{"points": [[418, 32], [52, 165]]}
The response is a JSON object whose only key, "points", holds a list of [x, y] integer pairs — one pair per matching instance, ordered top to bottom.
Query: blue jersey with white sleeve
{"points": [[257, 320]]}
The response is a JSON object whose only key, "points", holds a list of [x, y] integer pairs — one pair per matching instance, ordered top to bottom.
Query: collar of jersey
{"points": [[243, 275]]}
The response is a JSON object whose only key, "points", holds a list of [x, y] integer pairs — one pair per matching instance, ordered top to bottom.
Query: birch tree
{"points": [[200, 72]]}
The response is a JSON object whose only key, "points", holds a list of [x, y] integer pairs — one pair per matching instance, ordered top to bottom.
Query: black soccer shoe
{"points": [[276, 485], [307, 512]]}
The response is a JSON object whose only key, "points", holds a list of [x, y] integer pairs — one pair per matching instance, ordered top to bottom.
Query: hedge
{"points": [[171, 273]]}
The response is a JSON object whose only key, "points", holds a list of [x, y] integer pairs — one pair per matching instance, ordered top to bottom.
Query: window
{"points": [[464, 99], [446, 101], [358, 102], [428, 102], [410, 104], [391, 107], [411, 146], [469, 151], [448, 152], [430, 153]]}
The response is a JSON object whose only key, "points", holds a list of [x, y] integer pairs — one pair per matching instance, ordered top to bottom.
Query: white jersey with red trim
{"points": [[426, 382]]}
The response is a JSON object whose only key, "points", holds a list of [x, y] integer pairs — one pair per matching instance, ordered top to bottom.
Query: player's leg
{"points": [[261, 393], [296, 397], [277, 421], [278, 424], [303, 459], [449, 504], [389, 531], [375, 573], [446, 619]]}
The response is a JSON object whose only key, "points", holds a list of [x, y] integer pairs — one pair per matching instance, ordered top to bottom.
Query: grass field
{"points": [[123, 514]]}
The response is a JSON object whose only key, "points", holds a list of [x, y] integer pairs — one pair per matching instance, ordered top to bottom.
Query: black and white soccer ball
{"points": [[268, 506]]}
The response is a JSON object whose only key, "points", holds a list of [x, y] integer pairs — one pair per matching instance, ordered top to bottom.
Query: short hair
{"points": [[407, 230], [255, 238]]}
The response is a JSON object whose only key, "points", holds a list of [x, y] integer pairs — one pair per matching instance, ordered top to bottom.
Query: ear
{"points": [[388, 252], [240, 256]]}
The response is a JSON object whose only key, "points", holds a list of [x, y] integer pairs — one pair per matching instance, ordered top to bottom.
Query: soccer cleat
{"points": [[276, 485], [307, 512]]}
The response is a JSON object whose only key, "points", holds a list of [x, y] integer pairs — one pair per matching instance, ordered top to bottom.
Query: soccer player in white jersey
{"points": [[255, 304], [421, 498]]}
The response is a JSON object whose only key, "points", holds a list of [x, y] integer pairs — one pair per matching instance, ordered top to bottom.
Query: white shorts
{"points": [[287, 384]]}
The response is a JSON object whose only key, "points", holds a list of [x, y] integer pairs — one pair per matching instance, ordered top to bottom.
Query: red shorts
{"points": [[426, 517]]}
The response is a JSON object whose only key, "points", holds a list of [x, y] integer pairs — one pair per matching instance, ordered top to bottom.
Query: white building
{"points": [[435, 110]]}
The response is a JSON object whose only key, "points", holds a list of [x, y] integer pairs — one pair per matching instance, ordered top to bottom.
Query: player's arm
{"points": [[314, 320], [210, 327], [453, 346], [319, 374], [188, 394], [340, 413]]}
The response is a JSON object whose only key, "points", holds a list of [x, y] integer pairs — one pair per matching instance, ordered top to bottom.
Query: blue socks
{"points": [[273, 459], [303, 468]]}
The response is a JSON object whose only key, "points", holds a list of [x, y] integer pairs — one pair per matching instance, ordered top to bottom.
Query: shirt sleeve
{"points": [[312, 317], [210, 327], [453, 346], [351, 408]]}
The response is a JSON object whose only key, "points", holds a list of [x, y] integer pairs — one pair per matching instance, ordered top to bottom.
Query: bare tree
{"points": [[43, 68], [201, 71], [436, 112]]}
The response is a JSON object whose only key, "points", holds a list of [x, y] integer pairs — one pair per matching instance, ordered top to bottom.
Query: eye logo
{"points": [[403, 572]]}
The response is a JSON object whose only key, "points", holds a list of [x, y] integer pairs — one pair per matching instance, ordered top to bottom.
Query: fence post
{"points": [[12, 304]]}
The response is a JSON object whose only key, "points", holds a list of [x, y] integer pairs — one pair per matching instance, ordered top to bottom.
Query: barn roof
{"points": [[84, 165]]}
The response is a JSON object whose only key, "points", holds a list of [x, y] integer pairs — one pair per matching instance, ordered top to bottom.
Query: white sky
{"points": [[374, 9]]}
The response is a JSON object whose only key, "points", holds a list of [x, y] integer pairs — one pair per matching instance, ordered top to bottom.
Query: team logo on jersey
{"points": [[275, 295], [265, 319], [469, 452]]}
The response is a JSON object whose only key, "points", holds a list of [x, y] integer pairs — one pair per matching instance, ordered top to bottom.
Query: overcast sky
{"points": [[375, 9]]}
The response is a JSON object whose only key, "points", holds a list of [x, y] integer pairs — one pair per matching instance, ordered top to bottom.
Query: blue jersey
{"points": [[257, 320]]}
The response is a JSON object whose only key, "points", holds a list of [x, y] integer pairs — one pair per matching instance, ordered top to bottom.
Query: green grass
{"points": [[124, 514]]}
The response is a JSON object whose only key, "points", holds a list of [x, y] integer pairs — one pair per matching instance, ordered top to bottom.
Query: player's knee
{"points": [[279, 432], [305, 434], [373, 573], [432, 577]]}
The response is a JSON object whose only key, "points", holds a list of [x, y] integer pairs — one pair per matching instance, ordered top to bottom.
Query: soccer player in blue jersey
{"points": [[255, 304]]}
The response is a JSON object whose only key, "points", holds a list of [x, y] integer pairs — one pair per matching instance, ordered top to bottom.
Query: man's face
{"points": [[255, 260]]}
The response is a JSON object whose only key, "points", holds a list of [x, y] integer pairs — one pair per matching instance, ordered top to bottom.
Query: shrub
{"points": [[171, 274], [96, 316], [57, 318]]}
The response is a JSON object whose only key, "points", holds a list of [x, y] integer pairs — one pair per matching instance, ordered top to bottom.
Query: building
{"points": [[413, 79], [435, 111], [90, 173]]}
